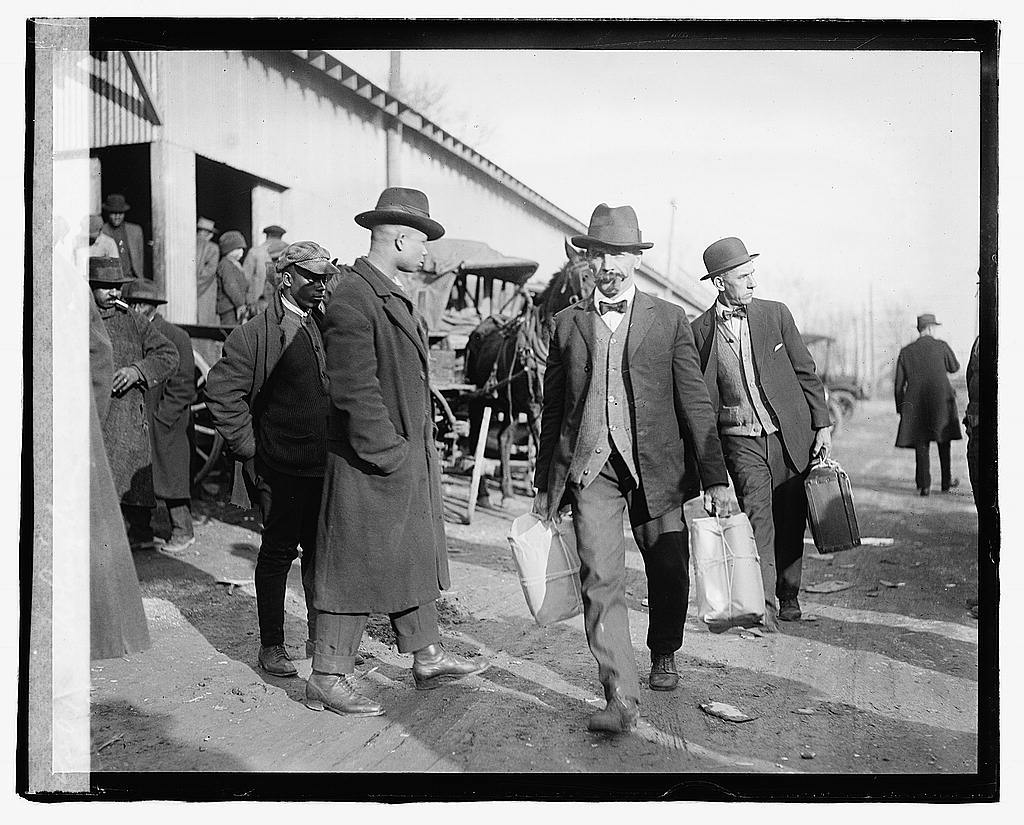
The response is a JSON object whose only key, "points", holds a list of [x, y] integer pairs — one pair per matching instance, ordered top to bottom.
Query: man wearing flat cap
{"points": [[128, 236], [258, 265], [142, 358], [268, 396], [926, 403], [168, 407], [772, 416], [627, 427], [381, 542]]}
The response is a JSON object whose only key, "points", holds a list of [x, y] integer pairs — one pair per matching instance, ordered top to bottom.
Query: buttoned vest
{"points": [[741, 411]]}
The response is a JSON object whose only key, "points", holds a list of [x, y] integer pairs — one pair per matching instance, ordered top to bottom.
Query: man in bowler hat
{"points": [[127, 236], [268, 398], [926, 403], [771, 412], [627, 426], [381, 543]]}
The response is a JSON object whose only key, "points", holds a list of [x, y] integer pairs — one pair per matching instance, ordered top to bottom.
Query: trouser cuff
{"points": [[333, 664]]}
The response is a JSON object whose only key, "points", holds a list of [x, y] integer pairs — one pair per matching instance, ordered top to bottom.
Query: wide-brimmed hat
{"points": [[115, 203], [405, 207], [207, 224], [613, 226], [274, 230], [232, 239], [307, 255], [724, 255], [107, 270], [143, 292], [926, 320]]}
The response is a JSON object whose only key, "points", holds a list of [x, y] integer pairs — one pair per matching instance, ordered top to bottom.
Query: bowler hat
{"points": [[115, 203], [405, 207], [207, 224], [614, 226], [274, 230], [232, 239], [724, 255], [309, 256], [107, 270], [143, 292], [926, 320]]}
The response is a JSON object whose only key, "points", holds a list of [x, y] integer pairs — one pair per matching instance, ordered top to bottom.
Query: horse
{"points": [[505, 358]]}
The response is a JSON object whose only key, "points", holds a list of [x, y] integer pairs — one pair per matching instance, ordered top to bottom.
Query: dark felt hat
{"points": [[115, 203], [405, 207], [614, 226], [274, 230], [232, 239], [724, 255], [309, 256], [107, 270], [143, 292], [926, 320]]}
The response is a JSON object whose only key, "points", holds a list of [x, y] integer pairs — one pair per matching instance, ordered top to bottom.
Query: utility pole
{"points": [[394, 132], [671, 232], [872, 364]]}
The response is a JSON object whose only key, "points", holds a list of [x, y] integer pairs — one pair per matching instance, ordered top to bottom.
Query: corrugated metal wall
{"points": [[119, 111]]}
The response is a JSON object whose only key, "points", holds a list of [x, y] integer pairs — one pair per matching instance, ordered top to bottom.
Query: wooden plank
{"points": [[478, 464]]}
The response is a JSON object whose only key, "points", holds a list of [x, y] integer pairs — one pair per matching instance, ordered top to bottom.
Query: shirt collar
{"points": [[627, 295], [292, 307], [721, 309]]}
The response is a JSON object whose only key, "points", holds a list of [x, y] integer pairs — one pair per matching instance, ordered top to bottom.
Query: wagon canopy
{"points": [[449, 258]]}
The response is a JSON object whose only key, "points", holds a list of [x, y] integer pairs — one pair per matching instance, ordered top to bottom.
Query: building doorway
{"points": [[125, 170], [224, 195]]}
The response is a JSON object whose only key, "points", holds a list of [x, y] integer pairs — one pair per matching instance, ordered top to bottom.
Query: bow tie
{"points": [[618, 306], [736, 312]]}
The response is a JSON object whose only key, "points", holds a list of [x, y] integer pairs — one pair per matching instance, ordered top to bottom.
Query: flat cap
{"points": [[274, 230], [309, 256]]}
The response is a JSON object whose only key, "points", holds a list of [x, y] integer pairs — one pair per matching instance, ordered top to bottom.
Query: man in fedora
{"points": [[127, 236], [207, 258], [258, 265], [142, 358], [269, 400], [926, 403], [169, 409], [771, 412], [627, 426], [381, 544]]}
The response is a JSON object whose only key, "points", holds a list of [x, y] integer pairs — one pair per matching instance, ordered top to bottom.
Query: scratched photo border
{"points": [[337, 33]]}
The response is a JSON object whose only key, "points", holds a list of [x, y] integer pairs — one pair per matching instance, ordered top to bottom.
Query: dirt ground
{"points": [[877, 679]]}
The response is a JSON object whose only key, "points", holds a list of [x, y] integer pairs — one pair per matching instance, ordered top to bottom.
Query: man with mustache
{"points": [[268, 396], [772, 416], [627, 426]]}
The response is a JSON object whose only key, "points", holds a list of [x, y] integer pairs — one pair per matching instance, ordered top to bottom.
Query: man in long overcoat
{"points": [[128, 236], [207, 258], [142, 359], [926, 403], [169, 405], [772, 415], [625, 426], [381, 543]]}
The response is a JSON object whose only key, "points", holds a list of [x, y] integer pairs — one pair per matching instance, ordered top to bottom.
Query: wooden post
{"points": [[478, 463]]}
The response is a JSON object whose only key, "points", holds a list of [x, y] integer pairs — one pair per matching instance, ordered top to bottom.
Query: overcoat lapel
{"points": [[585, 317], [403, 319], [640, 322], [707, 347]]}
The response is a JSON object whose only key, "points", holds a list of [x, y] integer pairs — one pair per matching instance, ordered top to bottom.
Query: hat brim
{"points": [[117, 210], [429, 227], [586, 241], [319, 266], [724, 269], [113, 281], [135, 299]]}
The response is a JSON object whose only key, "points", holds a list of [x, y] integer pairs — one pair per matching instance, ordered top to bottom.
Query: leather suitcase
{"points": [[830, 511]]}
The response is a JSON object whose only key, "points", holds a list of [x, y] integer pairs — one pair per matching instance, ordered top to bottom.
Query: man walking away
{"points": [[268, 396]]}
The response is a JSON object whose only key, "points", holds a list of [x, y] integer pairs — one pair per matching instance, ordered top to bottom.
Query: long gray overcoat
{"points": [[135, 342], [925, 399], [170, 404], [381, 543]]}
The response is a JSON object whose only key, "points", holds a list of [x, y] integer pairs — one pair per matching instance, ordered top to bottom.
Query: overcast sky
{"points": [[840, 168]]}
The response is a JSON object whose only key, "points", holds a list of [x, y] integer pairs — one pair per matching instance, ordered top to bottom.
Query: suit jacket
{"points": [[134, 247], [784, 369], [925, 400], [170, 405], [675, 438], [381, 541]]}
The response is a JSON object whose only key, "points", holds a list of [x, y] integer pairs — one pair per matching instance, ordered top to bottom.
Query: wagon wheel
{"points": [[446, 427], [209, 448]]}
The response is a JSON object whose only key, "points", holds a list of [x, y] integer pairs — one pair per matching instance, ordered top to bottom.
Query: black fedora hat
{"points": [[115, 203], [405, 207], [614, 226], [726, 254], [107, 270], [143, 292], [926, 320]]}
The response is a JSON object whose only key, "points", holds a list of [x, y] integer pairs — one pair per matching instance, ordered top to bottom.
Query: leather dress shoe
{"points": [[947, 487], [924, 491], [789, 609], [770, 623], [311, 649], [273, 659], [432, 671], [664, 675], [337, 693], [617, 717]]}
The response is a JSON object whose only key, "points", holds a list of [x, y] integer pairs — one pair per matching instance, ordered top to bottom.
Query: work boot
{"points": [[954, 483], [924, 491], [177, 544], [789, 609], [274, 660], [434, 666], [663, 672], [338, 693], [617, 717]]}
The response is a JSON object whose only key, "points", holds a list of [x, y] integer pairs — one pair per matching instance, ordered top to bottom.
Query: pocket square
{"points": [[778, 346]]}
